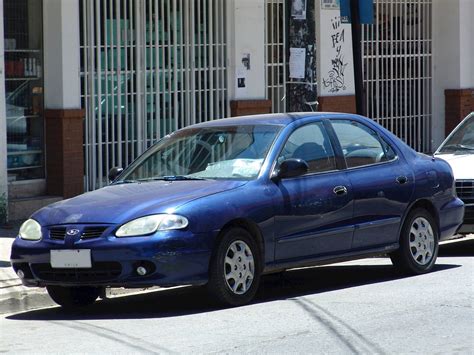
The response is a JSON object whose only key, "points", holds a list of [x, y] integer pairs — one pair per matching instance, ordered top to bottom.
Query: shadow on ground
{"points": [[458, 248], [192, 300]]}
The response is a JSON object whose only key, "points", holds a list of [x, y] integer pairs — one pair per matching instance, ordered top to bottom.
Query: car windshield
{"points": [[461, 141], [230, 152]]}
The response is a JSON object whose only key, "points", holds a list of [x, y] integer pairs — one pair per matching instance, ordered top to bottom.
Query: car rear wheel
{"points": [[418, 244], [234, 273], [72, 297]]}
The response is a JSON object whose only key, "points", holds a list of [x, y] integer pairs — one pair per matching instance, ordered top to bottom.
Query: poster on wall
{"points": [[298, 9], [297, 63], [337, 72]]}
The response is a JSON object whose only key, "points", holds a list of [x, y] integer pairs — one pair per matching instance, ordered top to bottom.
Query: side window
{"points": [[311, 144], [360, 144]]}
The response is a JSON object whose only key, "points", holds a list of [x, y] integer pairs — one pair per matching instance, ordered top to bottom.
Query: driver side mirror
{"points": [[292, 168], [114, 173]]}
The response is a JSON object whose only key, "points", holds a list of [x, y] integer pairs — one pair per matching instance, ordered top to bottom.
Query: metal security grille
{"points": [[275, 57], [397, 60], [148, 67]]}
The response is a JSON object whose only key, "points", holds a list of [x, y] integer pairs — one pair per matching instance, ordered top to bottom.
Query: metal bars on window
{"points": [[275, 53], [397, 58], [148, 67]]}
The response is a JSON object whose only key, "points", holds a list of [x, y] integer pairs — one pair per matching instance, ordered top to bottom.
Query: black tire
{"points": [[407, 259], [219, 286], [73, 297]]}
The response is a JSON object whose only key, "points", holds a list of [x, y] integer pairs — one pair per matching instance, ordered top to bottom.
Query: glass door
{"points": [[24, 88]]}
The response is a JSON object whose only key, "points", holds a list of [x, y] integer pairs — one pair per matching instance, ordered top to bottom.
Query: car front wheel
{"points": [[418, 244], [234, 273], [72, 297]]}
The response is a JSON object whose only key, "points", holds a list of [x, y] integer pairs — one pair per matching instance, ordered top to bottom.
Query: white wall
{"points": [[246, 29], [466, 44], [453, 53], [61, 54], [335, 67], [3, 120]]}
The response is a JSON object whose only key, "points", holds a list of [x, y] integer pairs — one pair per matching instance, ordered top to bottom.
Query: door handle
{"points": [[402, 180], [340, 190]]}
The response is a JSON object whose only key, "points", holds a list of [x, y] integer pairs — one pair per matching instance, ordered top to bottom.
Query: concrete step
{"points": [[26, 189], [22, 208]]}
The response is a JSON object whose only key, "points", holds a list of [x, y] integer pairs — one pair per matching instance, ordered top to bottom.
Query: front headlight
{"points": [[150, 224], [30, 230]]}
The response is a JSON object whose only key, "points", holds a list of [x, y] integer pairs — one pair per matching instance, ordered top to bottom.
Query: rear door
{"points": [[382, 183]]}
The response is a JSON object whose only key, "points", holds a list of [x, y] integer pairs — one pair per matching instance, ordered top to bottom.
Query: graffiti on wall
{"points": [[335, 79]]}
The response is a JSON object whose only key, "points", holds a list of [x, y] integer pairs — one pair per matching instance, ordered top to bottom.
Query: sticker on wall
{"points": [[330, 4], [246, 61], [243, 68]]}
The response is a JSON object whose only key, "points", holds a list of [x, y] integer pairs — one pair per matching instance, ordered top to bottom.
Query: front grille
{"points": [[465, 190], [92, 232], [57, 233], [100, 271]]}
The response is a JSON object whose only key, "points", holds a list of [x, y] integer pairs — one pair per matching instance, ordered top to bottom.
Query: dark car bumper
{"points": [[468, 223], [171, 258]]}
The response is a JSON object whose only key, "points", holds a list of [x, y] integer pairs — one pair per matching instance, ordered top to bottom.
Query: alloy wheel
{"points": [[422, 242], [239, 267]]}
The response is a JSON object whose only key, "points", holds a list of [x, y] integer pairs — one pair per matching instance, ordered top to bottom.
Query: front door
{"points": [[314, 210]]}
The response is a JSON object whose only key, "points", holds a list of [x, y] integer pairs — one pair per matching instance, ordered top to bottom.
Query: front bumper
{"points": [[170, 258]]}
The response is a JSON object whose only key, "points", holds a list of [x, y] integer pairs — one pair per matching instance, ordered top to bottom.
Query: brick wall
{"points": [[459, 103], [337, 104], [250, 107], [64, 152]]}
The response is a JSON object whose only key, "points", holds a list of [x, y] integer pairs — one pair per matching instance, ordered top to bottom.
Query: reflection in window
{"points": [[311, 144], [360, 144], [235, 152]]}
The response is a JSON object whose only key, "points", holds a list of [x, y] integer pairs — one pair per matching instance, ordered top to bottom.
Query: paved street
{"points": [[356, 307]]}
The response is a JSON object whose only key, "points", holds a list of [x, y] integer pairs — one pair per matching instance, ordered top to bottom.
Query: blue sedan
{"points": [[223, 202]]}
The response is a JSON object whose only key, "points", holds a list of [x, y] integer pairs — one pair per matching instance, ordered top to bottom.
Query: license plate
{"points": [[71, 258]]}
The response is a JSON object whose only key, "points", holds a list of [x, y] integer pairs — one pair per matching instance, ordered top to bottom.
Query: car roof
{"points": [[282, 119]]}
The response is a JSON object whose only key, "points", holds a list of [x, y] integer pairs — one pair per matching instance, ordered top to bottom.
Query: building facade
{"points": [[86, 85]]}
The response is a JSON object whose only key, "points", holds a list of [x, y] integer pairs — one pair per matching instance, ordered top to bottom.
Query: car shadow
{"points": [[460, 247], [192, 300]]}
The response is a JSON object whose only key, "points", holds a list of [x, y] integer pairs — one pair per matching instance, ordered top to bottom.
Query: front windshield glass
{"points": [[462, 140], [231, 152]]}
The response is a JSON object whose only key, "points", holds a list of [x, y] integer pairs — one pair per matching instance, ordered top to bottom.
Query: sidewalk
{"points": [[14, 297]]}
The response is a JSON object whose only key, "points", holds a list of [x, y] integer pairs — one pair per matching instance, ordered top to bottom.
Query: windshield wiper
{"points": [[458, 147], [176, 178], [125, 182]]}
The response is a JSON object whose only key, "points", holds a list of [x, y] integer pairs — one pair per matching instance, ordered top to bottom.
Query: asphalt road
{"points": [[358, 307]]}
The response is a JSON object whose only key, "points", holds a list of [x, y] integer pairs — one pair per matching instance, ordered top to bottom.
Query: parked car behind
{"points": [[458, 151], [223, 202]]}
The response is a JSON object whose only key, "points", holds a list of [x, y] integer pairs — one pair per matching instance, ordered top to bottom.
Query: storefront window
{"points": [[24, 88]]}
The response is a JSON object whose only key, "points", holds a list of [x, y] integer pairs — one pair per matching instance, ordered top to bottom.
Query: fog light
{"points": [[141, 271], [20, 273]]}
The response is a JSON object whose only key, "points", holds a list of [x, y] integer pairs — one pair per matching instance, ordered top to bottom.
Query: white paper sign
{"points": [[297, 63], [336, 69]]}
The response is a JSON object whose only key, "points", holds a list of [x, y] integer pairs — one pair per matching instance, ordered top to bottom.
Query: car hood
{"points": [[462, 165], [121, 203]]}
